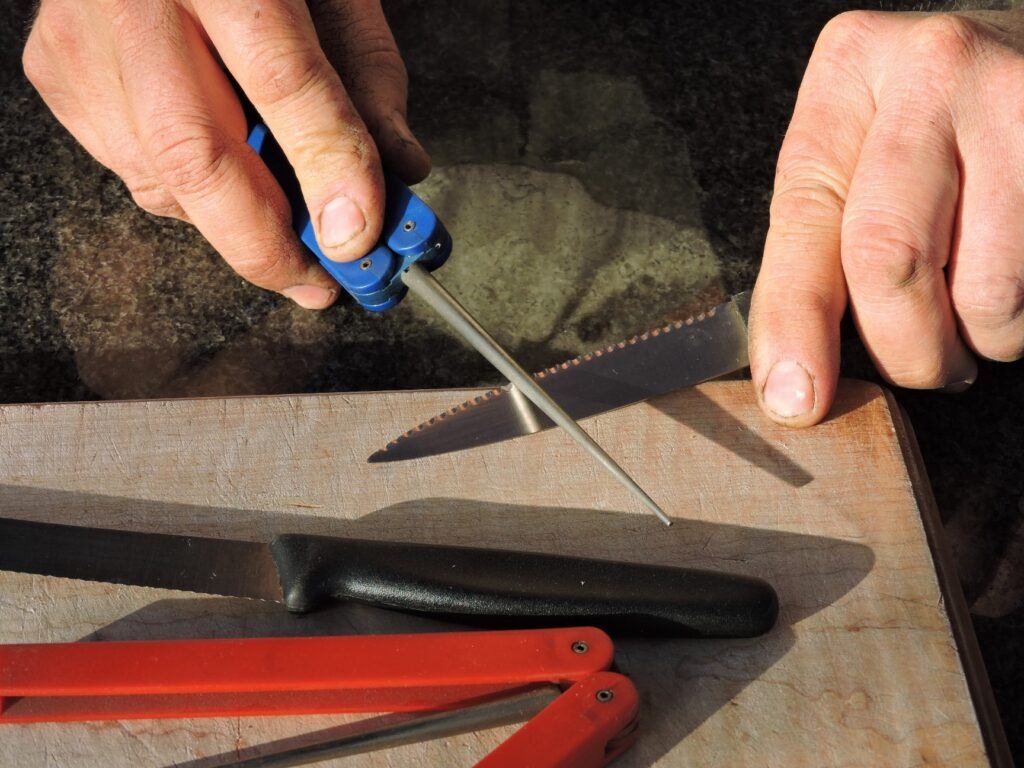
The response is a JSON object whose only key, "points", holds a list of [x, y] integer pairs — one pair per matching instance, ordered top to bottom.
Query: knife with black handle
{"points": [[484, 587], [502, 587]]}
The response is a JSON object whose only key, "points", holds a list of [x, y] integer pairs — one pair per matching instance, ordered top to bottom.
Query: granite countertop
{"points": [[603, 166]]}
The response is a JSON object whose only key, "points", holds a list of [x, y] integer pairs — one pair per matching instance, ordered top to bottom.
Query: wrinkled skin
{"points": [[142, 85], [899, 189]]}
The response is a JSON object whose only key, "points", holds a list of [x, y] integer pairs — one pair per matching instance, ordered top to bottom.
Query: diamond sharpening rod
{"points": [[413, 243]]}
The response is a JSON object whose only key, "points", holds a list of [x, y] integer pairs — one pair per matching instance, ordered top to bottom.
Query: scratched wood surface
{"points": [[862, 669]]}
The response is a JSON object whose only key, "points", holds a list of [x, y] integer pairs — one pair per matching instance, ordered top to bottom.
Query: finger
{"points": [[53, 41], [358, 42], [276, 57], [42, 68], [105, 123], [193, 129], [897, 233], [986, 274], [800, 295]]}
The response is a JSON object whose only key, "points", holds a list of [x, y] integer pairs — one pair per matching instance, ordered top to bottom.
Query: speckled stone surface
{"points": [[603, 165]]}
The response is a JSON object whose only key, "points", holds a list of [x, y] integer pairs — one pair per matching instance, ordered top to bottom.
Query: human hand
{"points": [[142, 85], [900, 185]]}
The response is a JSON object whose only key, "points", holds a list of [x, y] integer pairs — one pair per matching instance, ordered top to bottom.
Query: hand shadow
{"points": [[683, 682]]}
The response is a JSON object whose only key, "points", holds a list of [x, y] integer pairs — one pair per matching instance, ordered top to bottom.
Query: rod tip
{"points": [[662, 516]]}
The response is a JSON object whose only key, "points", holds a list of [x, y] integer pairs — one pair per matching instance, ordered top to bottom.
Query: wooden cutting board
{"points": [[872, 663]]}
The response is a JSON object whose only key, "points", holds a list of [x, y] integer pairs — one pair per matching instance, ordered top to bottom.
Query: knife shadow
{"points": [[704, 416], [683, 682]]}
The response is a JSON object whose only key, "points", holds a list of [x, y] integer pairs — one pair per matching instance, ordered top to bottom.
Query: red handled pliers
{"points": [[591, 722]]}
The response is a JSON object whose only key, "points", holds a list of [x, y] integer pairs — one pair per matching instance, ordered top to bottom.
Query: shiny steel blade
{"points": [[662, 360], [188, 563]]}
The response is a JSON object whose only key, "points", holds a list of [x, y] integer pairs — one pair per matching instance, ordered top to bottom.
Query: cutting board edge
{"points": [[463, 392], [957, 611]]}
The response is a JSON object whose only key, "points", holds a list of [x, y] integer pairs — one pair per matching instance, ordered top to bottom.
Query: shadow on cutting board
{"points": [[706, 417], [683, 682]]}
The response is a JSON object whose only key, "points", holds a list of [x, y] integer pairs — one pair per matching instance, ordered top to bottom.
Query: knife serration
{"points": [[664, 359], [188, 563]]}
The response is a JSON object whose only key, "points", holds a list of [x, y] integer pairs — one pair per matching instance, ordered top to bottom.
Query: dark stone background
{"points": [[663, 118]]}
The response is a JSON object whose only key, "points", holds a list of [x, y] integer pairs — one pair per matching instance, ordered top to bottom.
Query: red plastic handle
{"points": [[194, 678], [586, 727]]}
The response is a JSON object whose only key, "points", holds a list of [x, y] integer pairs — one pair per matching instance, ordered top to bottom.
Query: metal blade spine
{"points": [[569, 364]]}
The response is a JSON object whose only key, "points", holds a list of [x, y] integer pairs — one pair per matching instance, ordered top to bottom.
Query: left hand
{"points": [[900, 186]]}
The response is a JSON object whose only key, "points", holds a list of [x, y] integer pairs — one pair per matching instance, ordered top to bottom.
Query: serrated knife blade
{"points": [[662, 360]]}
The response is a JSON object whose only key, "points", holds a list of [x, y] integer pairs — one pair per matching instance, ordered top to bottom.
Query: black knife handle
{"points": [[490, 587]]}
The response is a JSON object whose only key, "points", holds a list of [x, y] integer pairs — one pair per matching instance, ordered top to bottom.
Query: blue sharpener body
{"points": [[412, 233]]}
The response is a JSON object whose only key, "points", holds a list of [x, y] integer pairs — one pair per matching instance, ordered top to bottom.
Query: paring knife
{"points": [[674, 356], [472, 586]]}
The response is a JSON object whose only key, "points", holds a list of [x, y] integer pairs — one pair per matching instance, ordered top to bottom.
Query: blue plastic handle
{"points": [[412, 233]]}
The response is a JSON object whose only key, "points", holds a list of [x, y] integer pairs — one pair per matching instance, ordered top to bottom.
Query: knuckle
{"points": [[112, 9], [56, 29], [847, 31], [350, 33], [947, 39], [369, 44], [35, 64], [375, 64], [283, 73], [810, 151], [348, 153], [187, 158], [154, 198], [808, 202], [884, 256], [264, 269], [798, 300], [992, 302], [930, 373]]}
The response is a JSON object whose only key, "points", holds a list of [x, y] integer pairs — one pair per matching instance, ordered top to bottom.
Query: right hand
{"points": [[142, 85]]}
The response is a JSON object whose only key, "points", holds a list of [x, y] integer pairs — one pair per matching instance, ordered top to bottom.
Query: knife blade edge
{"points": [[661, 360]]}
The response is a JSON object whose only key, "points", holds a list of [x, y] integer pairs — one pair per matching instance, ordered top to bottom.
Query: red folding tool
{"points": [[589, 724]]}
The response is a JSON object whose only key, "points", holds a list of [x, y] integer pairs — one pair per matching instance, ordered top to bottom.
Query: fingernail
{"points": [[402, 129], [408, 157], [340, 221], [311, 296], [963, 379], [956, 387], [788, 390]]}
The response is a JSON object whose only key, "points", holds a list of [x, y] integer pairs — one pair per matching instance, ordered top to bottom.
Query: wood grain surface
{"points": [[862, 669]]}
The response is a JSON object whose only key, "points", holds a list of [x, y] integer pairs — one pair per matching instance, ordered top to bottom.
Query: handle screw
{"points": [[409, 226], [365, 264], [580, 647], [605, 695]]}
